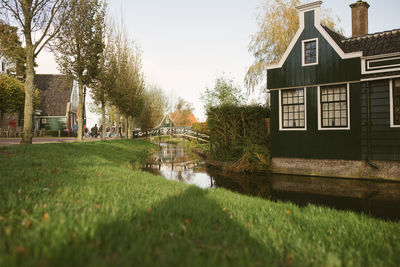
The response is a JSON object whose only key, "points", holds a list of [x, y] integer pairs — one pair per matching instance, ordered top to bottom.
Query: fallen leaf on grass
{"points": [[54, 171], [100, 174], [148, 209], [46, 216], [188, 221], [27, 223], [7, 230], [20, 250], [289, 259]]}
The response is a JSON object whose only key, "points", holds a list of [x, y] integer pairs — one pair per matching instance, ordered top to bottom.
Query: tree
{"points": [[41, 19], [278, 22], [11, 47], [79, 47], [106, 77], [127, 91], [225, 92], [12, 96], [154, 108], [181, 113]]}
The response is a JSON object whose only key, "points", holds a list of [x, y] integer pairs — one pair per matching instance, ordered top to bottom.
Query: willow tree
{"points": [[40, 22], [277, 22], [79, 46]]}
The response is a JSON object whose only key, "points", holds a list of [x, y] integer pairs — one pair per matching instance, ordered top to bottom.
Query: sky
{"points": [[186, 44]]}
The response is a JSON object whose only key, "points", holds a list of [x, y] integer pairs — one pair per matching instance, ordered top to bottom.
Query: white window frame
{"points": [[303, 55], [305, 112], [392, 125], [320, 128]]}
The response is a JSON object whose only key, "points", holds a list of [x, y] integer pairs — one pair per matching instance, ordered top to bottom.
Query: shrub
{"points": [[239, 133]]}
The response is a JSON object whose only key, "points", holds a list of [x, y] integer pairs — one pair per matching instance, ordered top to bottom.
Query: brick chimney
{"points": [[359, 18]]}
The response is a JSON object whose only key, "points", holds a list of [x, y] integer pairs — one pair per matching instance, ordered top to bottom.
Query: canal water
{"points": [[377, 199]]}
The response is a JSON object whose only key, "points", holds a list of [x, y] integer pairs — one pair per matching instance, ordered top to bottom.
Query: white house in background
{"points": [[6, 67]]}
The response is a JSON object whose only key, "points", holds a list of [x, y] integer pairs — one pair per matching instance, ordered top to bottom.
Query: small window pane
{"points": [[310, 52], [334, 106], [293, 108]]}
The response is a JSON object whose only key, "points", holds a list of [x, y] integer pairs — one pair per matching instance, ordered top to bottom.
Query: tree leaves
{"points": [[12, 95]]}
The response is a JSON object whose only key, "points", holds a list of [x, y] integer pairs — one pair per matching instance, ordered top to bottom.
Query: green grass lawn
{"points": [[87, 204]]}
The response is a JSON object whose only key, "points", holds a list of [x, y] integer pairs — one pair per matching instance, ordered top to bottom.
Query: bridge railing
{"points": [[173, 131]]}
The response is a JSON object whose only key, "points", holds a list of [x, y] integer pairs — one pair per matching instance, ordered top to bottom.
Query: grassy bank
{"points": [[86, 204]]}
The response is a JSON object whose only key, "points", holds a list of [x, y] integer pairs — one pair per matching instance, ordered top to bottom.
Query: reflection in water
{"points": [[174, 163], [380, 199]]}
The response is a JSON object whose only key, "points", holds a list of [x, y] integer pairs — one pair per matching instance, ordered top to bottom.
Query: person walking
{"points": [[94, 131]]}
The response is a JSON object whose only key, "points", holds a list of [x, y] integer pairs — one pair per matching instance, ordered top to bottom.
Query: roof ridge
{"points": [[370, 35]]}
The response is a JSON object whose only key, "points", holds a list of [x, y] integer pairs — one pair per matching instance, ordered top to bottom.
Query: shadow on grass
{"points": [[188, 229]]}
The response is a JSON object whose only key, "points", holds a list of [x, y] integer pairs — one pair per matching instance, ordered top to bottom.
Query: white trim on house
{"points": [[316, 6], [382, 55], [303, 56], [378, 58], [383, 59], [379, 78], [316, 85], [305, 112], [392, 125], [320, 128]]}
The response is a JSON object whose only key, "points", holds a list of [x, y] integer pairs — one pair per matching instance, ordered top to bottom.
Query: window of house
{"points": [[310, 52], [3, 66], [396, 102], [293, 108], [334, 110]]}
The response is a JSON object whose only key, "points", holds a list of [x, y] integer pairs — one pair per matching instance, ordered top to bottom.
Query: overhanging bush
{"points": [[240, 133]]}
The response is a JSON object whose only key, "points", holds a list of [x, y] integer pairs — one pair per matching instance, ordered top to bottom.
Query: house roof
{"points": [[380, 43], [55, 93], [187, 121], [163, 122]]}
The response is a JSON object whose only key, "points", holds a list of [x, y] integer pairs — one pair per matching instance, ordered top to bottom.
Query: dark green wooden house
{"points": [[336, 99], [58, 107], [166, 122]]}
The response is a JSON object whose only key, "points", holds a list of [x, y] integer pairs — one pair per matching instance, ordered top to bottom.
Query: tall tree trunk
{"points": [[28, 108], [80, 110], [103, 120], [117, 124], [126, 127], [130, 134]]}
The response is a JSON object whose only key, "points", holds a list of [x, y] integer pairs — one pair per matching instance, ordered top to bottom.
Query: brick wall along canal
{"points": [[378, 199]]}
